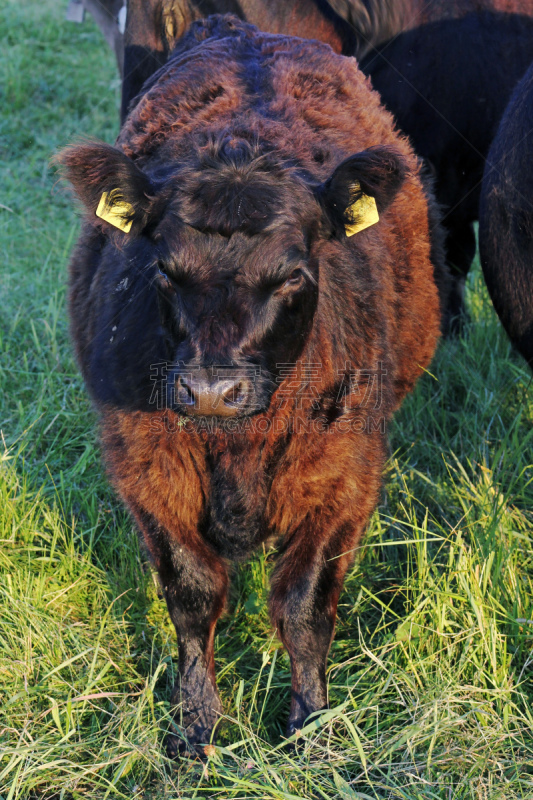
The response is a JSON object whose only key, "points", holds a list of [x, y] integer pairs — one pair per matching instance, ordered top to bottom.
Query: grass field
{"points": [[430, 673]]}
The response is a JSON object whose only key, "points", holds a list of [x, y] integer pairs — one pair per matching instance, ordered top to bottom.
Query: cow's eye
{"points": [[295, 279], [164, 282]]}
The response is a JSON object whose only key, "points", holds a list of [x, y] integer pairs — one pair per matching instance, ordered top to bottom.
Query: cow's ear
{"points": [[362, 187], [114, 191]]}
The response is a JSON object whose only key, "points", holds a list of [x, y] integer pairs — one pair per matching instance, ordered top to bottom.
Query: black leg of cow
{"points": [[460, 252], [194, 582], [303, 605]]}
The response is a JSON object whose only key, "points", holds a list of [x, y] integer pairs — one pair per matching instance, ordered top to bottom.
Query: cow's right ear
{"points": [[112, 188]]}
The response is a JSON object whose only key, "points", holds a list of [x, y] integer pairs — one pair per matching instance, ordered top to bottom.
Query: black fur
{"points": [[447, 84], [506, 219]]}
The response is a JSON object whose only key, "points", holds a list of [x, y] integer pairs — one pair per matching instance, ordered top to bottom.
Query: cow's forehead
{"points": [[227, 183], [210, 256]]}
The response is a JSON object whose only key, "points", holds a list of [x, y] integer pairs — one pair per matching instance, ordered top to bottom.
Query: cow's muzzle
{"points": [[211, 393]]}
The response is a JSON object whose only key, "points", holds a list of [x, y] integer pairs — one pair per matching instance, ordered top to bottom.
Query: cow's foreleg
{"points": [[194, 582], [303, 604]]}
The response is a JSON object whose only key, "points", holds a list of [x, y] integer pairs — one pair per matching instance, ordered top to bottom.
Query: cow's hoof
{"points": [[297, 722], [294, 727], [190, 739], [178, 747]]}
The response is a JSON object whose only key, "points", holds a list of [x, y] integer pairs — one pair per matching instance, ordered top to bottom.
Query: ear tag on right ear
{"points": [[114, 211], [364, 213]]}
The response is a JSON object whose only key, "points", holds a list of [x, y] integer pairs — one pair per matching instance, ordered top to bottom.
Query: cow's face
{"points": [[232, 243], [233, 310]]}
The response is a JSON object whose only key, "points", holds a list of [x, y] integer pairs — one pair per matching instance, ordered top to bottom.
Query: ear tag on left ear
{"points": [[114, 212], [364, 213]]}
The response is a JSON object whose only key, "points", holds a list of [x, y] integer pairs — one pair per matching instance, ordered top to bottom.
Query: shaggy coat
{"points": [[154, 26], [351, 27], [240, 163], [506, 219]]}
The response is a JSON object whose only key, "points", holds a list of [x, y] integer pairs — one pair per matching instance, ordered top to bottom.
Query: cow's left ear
{"points": [[362, 187], [112, 188]]}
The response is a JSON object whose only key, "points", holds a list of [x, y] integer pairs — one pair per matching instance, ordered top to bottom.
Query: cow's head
{"points": [[230, 237]]}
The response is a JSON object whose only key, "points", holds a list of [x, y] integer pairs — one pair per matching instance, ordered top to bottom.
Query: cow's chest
{"points": [[240, 472], [235, 522]]}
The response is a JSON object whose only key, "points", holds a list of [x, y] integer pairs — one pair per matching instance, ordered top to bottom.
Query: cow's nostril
{"points": [[185, 392], [236, 394]]}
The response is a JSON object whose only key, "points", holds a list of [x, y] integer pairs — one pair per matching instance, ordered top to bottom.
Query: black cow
{"points": [[447, 84], [506, 219]]}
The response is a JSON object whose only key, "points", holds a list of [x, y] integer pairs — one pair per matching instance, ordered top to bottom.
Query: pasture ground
{"points": [[430, 673]]}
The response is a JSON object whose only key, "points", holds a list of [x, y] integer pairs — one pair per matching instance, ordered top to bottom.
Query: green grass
{"points": [[431, 669]]}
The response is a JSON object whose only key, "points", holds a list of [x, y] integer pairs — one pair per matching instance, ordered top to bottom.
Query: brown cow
{"points": [[246, 326]]}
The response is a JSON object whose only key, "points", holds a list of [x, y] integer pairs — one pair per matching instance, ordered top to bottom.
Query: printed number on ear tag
{"points": [[114, 211], [363, 213]]}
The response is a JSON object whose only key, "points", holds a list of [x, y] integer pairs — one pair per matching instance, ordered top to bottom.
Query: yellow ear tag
{"points": [[114, 211], [363, 213]]}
